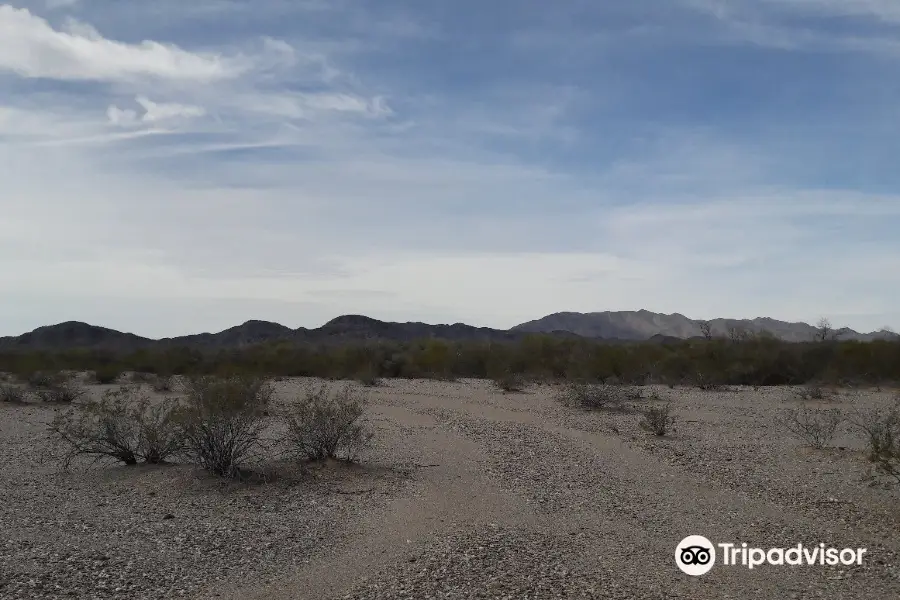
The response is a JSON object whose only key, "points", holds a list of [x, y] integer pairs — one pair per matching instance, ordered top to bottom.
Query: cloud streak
{"points": [[163, 176]]}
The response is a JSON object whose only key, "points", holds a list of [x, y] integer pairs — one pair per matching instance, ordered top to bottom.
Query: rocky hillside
{"points": [[643, 325]]}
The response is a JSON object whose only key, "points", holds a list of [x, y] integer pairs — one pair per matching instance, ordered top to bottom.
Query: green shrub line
{"points": [[760, 361]]}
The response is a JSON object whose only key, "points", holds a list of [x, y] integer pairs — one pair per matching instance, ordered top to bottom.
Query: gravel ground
{"points": [[469, 493]]}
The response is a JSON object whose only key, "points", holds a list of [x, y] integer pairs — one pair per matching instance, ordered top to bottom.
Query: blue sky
{"points": [[172, 167]]}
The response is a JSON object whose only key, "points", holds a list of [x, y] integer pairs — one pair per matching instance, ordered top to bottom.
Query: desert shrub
{"points": [[107, 374], [367, 376], [141, 377], [39, 380], [510, 382], [163, 383], [707, 383], [812, 391], [61, 392], [12, 394], [593, 396], [223, 420], [658, 420], [123, 425], [324, 425], [816, 426], [881, 428]]}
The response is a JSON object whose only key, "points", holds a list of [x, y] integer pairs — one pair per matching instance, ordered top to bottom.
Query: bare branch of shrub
{"points": [[658, 420], [222, 421], [123, 425], [327, 425], [815, 426]]}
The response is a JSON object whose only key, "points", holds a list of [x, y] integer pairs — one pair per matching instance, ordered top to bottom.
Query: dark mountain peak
{"points": [[353, 321], [70, 334]]}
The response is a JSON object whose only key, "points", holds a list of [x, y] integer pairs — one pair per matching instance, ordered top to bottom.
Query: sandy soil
{"points": [[467, 493]]}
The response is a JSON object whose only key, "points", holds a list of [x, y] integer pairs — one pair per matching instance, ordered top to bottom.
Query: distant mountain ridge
{"points": [[643, 325], [622, 326]]}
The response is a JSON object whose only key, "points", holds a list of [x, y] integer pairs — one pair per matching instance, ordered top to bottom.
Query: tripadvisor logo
{"points": [[696, 555]]}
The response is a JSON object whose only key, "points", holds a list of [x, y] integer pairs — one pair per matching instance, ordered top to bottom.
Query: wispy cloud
{"points": [[30, 47], [292, 164]]}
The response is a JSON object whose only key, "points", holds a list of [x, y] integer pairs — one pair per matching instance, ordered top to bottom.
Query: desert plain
{"points": [[465, 492]]}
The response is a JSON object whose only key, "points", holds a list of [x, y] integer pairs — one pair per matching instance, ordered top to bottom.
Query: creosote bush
{"points": [[107, 374], [40, 380], [510, 382], [812, 391], [61, 392], [12, 394], [593, 396], [658, 420], [222, 421], [322, 424], [123, 425], [815, 426], [881, 428]]}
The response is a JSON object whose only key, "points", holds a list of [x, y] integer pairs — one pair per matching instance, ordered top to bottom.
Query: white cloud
{"points": [[30, 47], [154, 112]]}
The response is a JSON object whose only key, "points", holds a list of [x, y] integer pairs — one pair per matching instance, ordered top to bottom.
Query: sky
{"points": [[173, 167]]}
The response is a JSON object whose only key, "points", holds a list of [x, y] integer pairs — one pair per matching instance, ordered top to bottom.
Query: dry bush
{"points": [[107, 374], [367, 376], [141, 377], [42, 380], [510, 382], [703, 382], [163, 384], [813, 391], [61, 392], [13, 394], [593, 396], [223, 420], [658, 420], [123, 425], [327, 425], [814, 425], [881, 428]]}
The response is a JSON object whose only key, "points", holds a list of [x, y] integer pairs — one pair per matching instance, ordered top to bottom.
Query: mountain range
{"points": [[621, 326]]}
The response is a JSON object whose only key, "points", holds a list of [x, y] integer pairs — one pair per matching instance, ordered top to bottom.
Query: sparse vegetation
{"points": [[743, 359], [107, 374], [367, 376], [42, 380], [510, 383], [163, 384], [813, 391], [61, 392], [12, 394], [593, 396], [658, 420], [222, 421], [123, 425], [324, 425], [815, 426], [881, 428]]}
